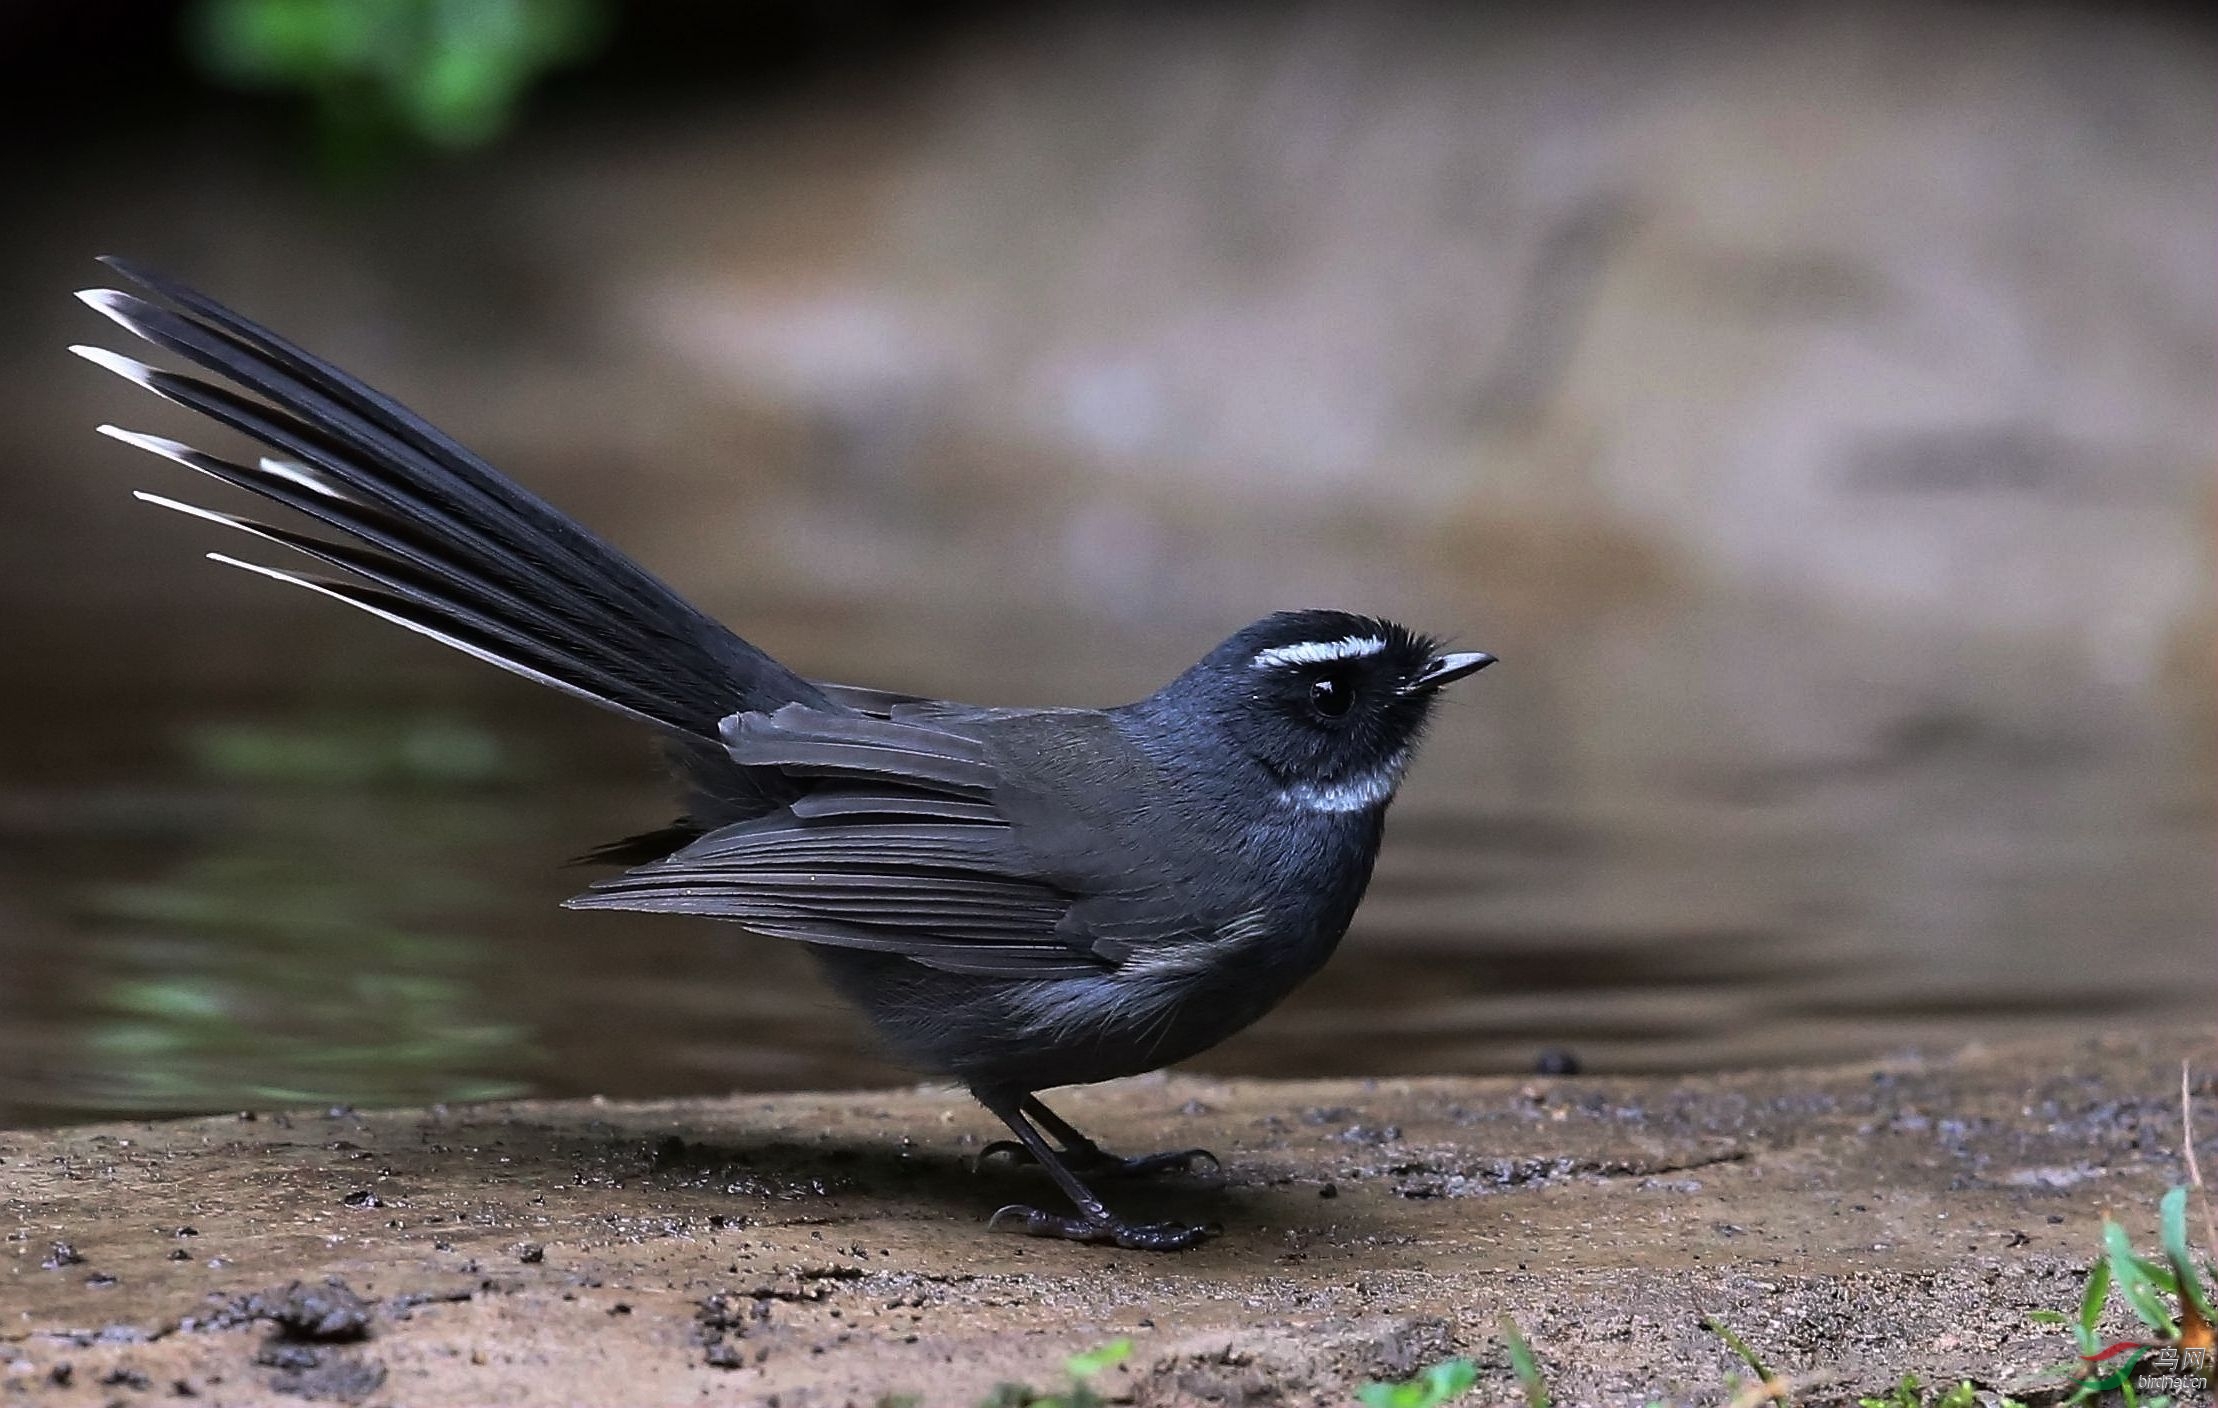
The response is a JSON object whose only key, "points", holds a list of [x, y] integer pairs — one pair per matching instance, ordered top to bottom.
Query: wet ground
{"points": [[1814, 415], [1851, 1224]]}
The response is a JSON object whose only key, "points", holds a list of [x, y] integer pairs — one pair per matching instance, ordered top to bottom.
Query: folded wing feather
{"points": [[897, 847]]}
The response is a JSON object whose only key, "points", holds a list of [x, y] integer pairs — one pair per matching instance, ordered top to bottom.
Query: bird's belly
{"points": [[1119, 1026], [1038, 1033]]}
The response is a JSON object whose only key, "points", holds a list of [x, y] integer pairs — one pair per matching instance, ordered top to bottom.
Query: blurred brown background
{"points": [[1813, 406]]}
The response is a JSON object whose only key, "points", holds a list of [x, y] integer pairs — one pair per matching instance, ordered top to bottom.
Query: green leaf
{"points": [[2172, 1231], [2129, 1273], [2091, 1302], [1739, 1347], [1093, 1361], [1522, 1362], [1456, 1377], [1449, 1379]]}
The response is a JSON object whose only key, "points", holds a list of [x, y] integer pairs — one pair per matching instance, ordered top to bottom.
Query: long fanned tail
{"points": [[433, 537]]}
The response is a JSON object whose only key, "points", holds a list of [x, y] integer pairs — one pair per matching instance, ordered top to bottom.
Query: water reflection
{"points": [[346, 908], [317, 948]]}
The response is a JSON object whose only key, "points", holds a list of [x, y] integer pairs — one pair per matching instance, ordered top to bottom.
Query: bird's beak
{"points": [[1445, 669]]}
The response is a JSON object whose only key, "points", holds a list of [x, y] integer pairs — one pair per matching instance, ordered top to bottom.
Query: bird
{"points": [[1020, 899]]}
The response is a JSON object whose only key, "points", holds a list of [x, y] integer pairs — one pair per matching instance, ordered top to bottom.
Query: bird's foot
{"points": [[1093, 1161], [1104, 1229]]}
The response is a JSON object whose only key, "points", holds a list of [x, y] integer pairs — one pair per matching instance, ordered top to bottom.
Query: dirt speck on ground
{"points": [[1852, 1224]]}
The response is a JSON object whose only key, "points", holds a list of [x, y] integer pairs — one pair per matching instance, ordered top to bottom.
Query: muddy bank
{"points": [[1852, 1223]]}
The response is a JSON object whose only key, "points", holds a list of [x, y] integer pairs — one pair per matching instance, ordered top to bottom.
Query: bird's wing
{"points": [[897, 844]]}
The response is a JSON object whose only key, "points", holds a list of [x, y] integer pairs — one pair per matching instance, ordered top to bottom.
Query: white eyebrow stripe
{"points": [[1318, 652]]}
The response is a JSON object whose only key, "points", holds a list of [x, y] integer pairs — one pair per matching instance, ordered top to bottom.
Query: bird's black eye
{"points": [[1330, 697]]}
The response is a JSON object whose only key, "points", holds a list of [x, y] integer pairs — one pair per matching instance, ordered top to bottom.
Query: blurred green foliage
{"points": [[446, 73], [1083, 1369], [1441, 1383]]}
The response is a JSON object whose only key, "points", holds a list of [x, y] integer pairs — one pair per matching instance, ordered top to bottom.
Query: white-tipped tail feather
{"points": [[108, 303], [128, 368], [161, 445], [178, 452], [305, 477], [196, 511], [441, 542], [355, 598]]}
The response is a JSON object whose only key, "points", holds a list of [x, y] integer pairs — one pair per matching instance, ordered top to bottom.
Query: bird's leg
{"points": [[1084, 1156], [1093, 1222]]}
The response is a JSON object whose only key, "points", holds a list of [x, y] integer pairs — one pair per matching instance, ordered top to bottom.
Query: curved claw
{"points": [[1019, 1211], [1132, 1236]]}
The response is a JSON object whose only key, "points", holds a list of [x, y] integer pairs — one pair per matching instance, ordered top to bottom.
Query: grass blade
{"points": [[1525, 1365]]}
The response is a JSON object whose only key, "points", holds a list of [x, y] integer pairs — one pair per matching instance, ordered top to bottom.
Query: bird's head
{"points": [[1331, 705]]}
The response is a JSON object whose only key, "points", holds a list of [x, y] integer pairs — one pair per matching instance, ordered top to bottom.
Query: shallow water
{"points": [[351, 899]]}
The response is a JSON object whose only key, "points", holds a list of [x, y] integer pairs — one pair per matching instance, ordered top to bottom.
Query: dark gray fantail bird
{"points": [[1017, 898]]}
